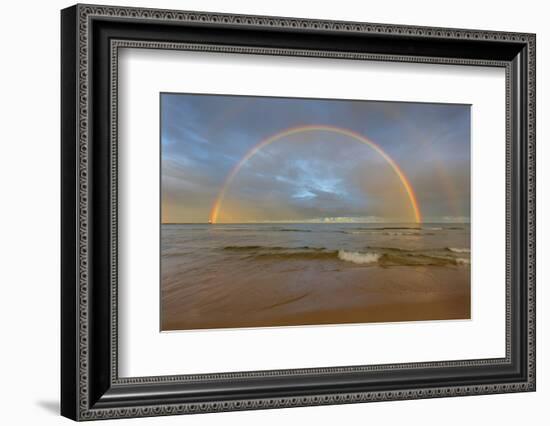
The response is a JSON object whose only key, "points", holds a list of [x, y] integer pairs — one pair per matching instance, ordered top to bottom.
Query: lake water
{"points": [[249, 275]]}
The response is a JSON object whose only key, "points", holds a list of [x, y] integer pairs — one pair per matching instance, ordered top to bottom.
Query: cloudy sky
{"points": [[313, 175]]}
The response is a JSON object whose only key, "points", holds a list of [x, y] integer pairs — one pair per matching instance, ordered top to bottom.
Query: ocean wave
{"points": [[387, 228], [261, 229], [422, 229], [406, 232], [399, 234], [269, 248], [458, 250], [277, 252], [295, 255], [381, 256], [357, 257], [417, 259]]}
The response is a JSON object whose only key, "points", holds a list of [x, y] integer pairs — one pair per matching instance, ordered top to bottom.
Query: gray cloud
{"points": [[315, 174]]}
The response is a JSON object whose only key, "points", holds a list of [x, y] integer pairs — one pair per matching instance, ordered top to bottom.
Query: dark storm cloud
{"points": [[316, 174]]}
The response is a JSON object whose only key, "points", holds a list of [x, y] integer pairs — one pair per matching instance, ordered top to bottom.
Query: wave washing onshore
{"points": [[382, 256], [255, 275]]}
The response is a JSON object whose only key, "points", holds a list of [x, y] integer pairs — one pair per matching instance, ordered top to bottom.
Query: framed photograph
{"points": [[263, 212]]}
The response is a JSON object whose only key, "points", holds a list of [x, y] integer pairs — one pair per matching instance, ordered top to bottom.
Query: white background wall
{"points": [[29, 211]]}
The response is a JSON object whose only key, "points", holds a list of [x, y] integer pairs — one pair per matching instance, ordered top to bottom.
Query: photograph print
{"points": [[292, 211]]}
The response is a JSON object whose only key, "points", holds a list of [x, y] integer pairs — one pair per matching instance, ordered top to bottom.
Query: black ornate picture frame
{"points": [[90, 385]]}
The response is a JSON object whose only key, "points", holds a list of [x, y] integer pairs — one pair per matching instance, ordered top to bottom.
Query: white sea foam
{"points": [[459, 250], [357, 257], [463, 261]]}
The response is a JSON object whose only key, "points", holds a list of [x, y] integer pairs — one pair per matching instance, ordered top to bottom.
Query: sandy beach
{"points": [[248, 286], [354, 295]]}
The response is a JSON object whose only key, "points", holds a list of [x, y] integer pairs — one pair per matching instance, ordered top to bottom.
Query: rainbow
{"points": [[311, 128]]}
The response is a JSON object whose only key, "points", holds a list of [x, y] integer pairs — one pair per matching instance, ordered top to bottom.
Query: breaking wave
{"points": [[458, 250], [381, 256], [357, 257]]}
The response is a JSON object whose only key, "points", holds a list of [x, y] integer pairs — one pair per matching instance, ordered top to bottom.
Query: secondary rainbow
{"points": [[216, 207]]}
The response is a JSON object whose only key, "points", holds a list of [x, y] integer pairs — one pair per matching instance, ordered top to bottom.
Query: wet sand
{"points": [[308, 293]]}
